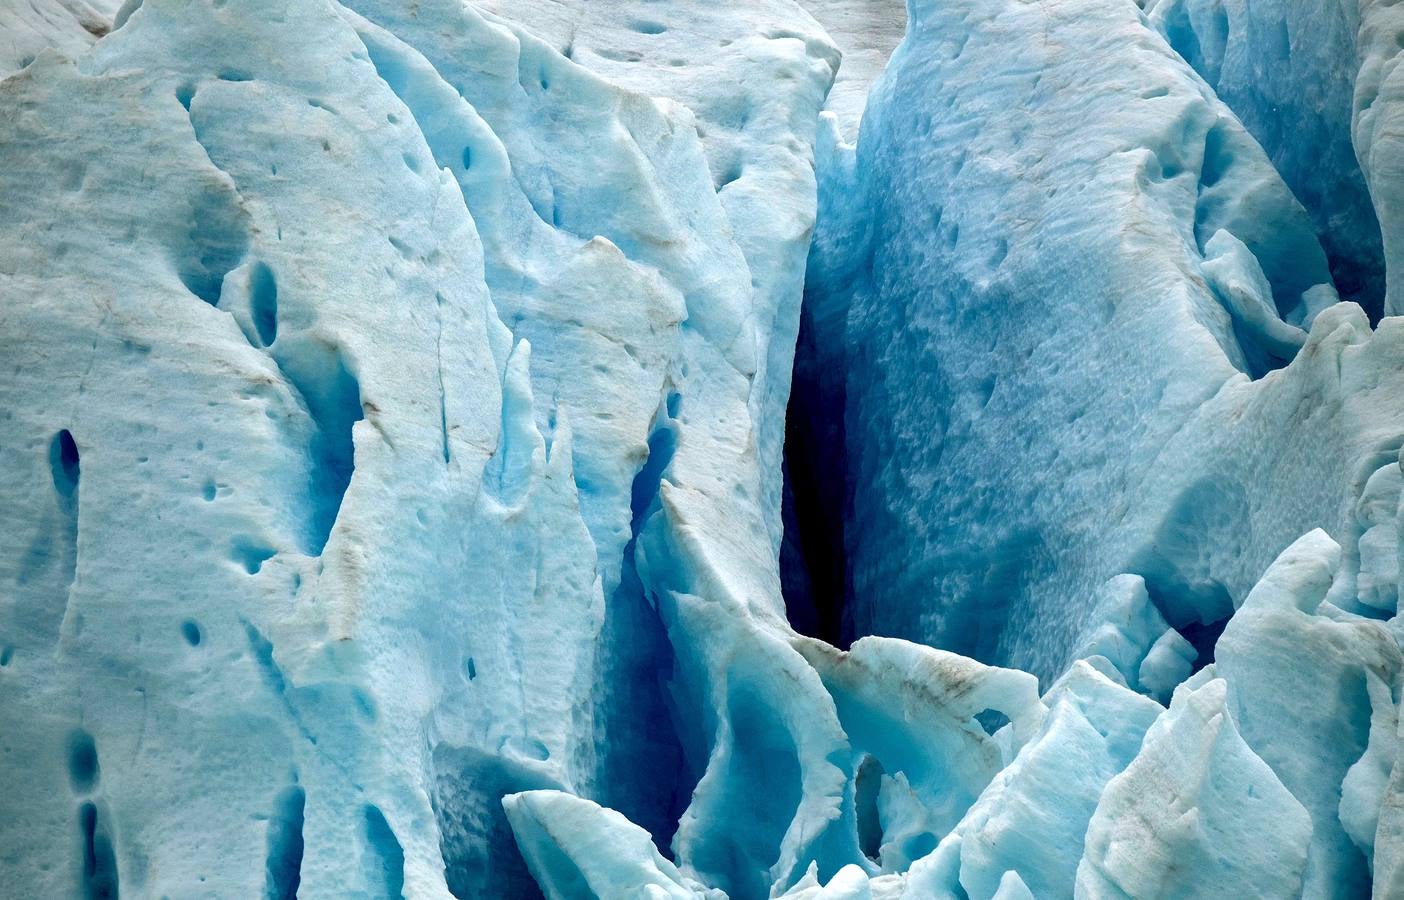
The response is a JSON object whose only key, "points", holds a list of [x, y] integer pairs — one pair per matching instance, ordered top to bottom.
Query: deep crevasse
{"points": [[393, 489]]}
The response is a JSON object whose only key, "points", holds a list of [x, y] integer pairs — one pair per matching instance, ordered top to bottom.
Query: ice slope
{"points": [[1315, 83], [1065, 340], [1243, 834]]}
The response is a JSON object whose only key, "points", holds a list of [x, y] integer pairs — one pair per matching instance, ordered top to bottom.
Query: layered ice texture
{"points": [[528, 448]]}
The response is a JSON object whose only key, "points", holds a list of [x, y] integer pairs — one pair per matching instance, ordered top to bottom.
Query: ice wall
{"points": [[1314, 83], [1039, 254], [1065, 338], [393, 477], [341, 574]]}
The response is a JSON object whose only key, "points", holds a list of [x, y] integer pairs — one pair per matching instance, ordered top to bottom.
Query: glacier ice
{"points": [[69, 26], [1313, 83], [516, 449], [989, 471], [1132, 636], [1311, 735], [1195, 814], [1031, 818], [579, 849]]}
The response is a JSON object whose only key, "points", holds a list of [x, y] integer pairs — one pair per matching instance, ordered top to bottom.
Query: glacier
{"points": [[1313, 83], [625, 449]]}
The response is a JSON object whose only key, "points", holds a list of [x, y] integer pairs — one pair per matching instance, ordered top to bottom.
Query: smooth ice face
{"points": [[967, 283], [578, 849]]}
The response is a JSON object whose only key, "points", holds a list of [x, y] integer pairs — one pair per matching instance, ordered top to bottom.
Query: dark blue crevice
{"points": [[263, 303], [333, 398], [662, 444], [64, 463], [59, 543], [813, 565], [642, 767], [83, 768], [285, 845], [384, 860], [99, 879]]}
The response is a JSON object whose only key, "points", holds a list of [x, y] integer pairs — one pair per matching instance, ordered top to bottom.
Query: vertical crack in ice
{"points": [[263, 303], [314, 369], [439, 374], [332, 395], [662, 443], [508, 472], [58, 543], [813, 569], [262, 650], [635, 677], [83, 768], [285, 844], [99, 863]]}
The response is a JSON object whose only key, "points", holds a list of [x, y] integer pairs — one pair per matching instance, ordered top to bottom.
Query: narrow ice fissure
{"points": [[813, 571], [637, 677]]}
